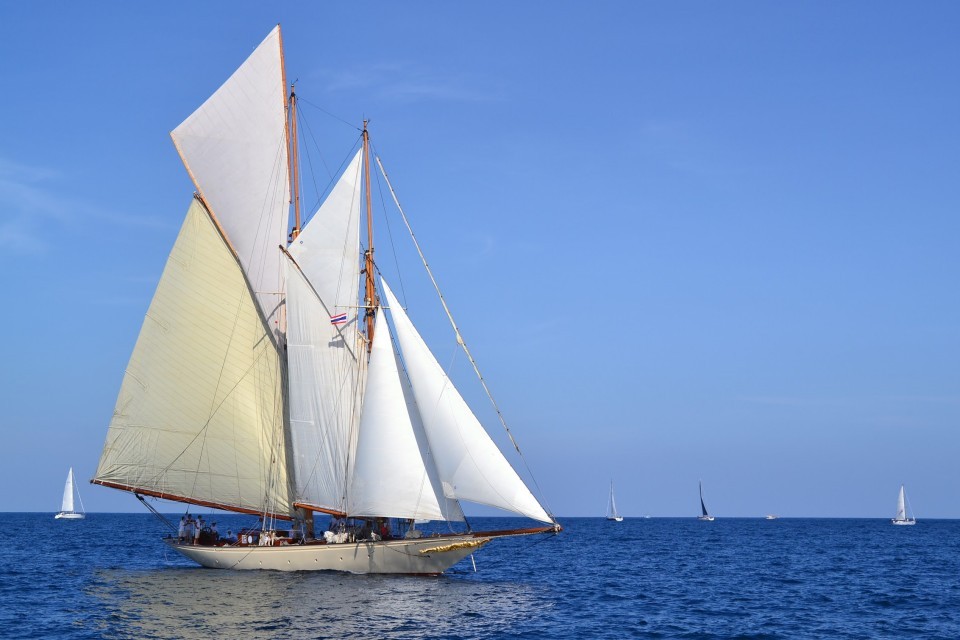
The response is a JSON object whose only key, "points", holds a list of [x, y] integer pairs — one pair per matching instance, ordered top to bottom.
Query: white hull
{"points": [[63, 515], [615, 518], [705, 518], [903, 522], [425, 556]]}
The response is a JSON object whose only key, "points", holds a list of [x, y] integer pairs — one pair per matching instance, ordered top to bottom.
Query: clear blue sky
{"points": [[684, 240]]}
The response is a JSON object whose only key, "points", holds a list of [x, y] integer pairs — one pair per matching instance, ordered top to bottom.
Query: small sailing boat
{"points": [[266, 380], [66, 507], [612, 507], [771, 516], [706, 517], [901, 517]]}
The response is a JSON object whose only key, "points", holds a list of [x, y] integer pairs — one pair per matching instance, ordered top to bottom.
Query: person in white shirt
{"points": [[182, 530]]}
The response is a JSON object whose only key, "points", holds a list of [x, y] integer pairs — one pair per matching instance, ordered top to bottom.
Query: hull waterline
{"points": [[69, 516], [423, 556]]}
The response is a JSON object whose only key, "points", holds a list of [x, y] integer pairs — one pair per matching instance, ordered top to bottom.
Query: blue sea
{"points": [[109, 576]]}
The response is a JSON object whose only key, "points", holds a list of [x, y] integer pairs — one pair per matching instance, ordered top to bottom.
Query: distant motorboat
{"points": [[612, 507], [66, 508], [705, 516], [770, 516], [901, 517]]}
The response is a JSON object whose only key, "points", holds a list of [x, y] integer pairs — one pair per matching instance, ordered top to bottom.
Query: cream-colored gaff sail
{"points": [[234, 147], [323, 350], [324, 371], [200, 410], [470, 465], [390, 476]]}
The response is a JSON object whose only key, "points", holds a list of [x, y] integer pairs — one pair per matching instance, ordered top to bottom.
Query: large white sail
{"points": [[234, 147], [323, 351], [324, 365], [199, 416], [470, 465], [390, 476], [67, 506], [901, 506]]}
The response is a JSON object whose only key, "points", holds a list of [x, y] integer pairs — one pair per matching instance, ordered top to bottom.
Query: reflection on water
{"points": [[186, 603]]}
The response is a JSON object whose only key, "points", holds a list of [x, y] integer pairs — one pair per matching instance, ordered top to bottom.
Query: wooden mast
{"points": [[293, 162], [371, 301]]}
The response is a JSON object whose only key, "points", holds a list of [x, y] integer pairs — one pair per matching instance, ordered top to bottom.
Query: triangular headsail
{"points": [[234, 147], [323, 349], [470, 465], [393, 474], [703, 506]]}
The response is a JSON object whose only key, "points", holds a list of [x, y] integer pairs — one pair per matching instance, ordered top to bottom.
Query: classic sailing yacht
{"points": [[265, 382], [66, 507], [612, 507], [706, 517], [901, 517]]}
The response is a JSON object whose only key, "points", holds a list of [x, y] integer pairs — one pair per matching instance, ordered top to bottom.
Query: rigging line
{"points": [[334, 116], [313, 176], [332, 181], [386, 219], [460, 339], [159, 515]]}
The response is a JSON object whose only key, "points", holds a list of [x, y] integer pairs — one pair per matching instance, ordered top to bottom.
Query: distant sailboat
{"points": [[612, 507], [66, 508], [771, 516], [706, 517], [901, 517]]}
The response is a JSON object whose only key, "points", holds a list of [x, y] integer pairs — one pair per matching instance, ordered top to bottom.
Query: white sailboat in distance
{"points": [[266, 379], [612, 507], [67, 511], [706, 517], [901, 518]]}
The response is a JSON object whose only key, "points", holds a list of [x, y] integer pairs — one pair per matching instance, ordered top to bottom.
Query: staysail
{"points": [[234, 147], [323, 349], [199, 417], [469, 464], [393, 474]]}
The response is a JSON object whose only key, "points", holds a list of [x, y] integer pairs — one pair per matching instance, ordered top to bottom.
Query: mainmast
{"points": [[293, 161], [371, 300]]}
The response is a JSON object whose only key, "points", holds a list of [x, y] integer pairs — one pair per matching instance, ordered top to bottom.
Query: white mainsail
{"points": [[235, 149], [325, 360], [323, 365], [200, 410], [470, 465], [391, 476], [67, 504], [612, 506], [901, 506]]}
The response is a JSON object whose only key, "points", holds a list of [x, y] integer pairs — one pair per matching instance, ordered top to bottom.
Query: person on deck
{"points": [[182, 529], [197, 529], [214, 532]]}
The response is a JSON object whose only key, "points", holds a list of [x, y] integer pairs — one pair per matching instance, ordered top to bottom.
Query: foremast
{"points": [[371, 301]]}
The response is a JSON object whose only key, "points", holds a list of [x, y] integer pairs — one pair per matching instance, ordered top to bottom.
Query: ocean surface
{"points": [[109, 576]]}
